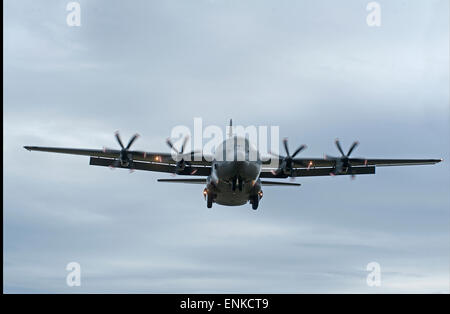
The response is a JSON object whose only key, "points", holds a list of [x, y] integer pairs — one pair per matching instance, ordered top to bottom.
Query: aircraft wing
{"points": [[114, 153], [150, 161], [329, 162], [394, 162], [201, 165], [305, 167], [192, 170], [316, 172]]}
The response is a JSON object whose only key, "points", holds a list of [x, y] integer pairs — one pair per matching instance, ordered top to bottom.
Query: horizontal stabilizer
{"points": [[190, 181], [203, 181], [269, 183]]}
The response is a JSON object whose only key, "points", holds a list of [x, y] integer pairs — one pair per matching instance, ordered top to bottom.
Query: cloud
{"points": [[317, 72]]}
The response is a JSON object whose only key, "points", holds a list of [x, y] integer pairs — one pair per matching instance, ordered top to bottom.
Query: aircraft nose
{"points": [[239, 156]]}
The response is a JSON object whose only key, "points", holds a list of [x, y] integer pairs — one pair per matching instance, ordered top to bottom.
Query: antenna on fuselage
{"points": [[230, 130]]}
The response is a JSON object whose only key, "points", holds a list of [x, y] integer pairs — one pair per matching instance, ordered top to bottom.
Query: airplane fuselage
{"points": [[235, 171]]}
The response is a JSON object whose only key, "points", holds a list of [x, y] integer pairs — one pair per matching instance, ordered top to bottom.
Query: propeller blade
{"points": [[135, 136], [118, 139], [184, 144], [171, 145], [286, 147], [339, 147], [352, 148], [298, 150], [192, 155], [273, 155], [350, 171]]}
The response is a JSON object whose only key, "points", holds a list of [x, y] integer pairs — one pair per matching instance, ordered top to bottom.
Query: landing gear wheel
{"points": [[233, 184], [240, 184], [209, 200], [255, 202]]}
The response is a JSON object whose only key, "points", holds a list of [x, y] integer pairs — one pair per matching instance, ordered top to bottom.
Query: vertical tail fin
{"points": [[230, 130]]}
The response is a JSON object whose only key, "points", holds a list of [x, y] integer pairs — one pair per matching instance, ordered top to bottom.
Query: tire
{"points": [[233, 184], [240, 184], [209, 200], [255, 202]]}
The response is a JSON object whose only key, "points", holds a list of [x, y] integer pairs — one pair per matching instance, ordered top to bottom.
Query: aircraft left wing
{"points": [[289, 161], [329, 162], [304, 167]]}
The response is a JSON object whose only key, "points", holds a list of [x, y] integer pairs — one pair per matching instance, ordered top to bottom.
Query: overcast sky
{"points": [[313, 68]]}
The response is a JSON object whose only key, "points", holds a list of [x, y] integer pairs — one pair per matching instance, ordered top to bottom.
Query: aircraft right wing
{"points": [[166, 158]]}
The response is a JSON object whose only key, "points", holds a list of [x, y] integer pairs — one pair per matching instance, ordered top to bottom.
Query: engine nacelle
{"points": [[212, 180]]}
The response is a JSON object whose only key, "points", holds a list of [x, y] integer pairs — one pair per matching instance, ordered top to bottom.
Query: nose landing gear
{"points": [[236, 182], [209, 198], [254, 200]]}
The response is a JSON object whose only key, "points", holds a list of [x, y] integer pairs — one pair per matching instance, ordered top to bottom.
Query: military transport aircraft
{"points": [[236, 180]]}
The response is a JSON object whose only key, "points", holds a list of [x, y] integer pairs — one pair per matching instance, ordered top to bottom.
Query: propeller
{"points": [[125, 157], [343, 162], [181, 163], [286, 164]]}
